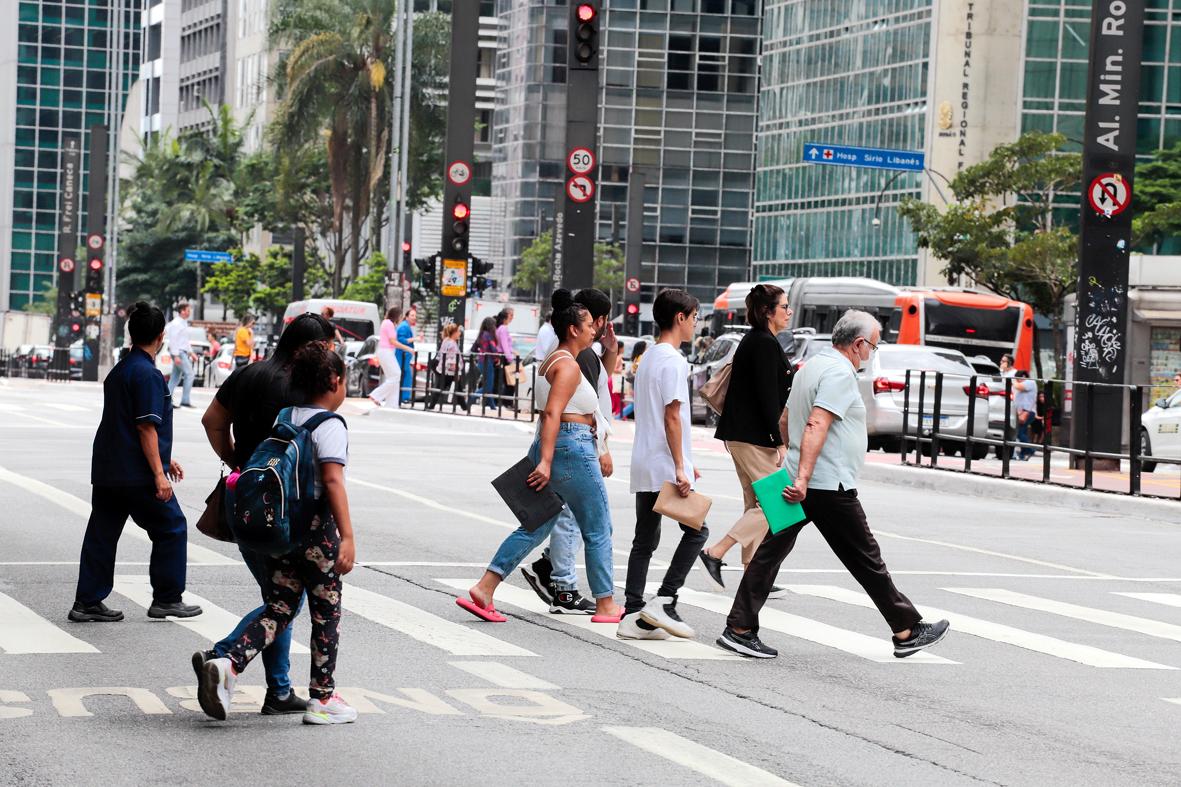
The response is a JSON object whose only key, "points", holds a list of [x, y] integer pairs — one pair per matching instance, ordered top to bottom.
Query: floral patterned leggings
{"points": [[312, 567]]}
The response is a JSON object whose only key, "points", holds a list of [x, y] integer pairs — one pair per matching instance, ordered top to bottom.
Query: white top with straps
{"points": [[585, 400]]}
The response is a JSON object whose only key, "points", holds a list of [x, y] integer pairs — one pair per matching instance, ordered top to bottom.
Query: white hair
{"points": [[853, 325]]}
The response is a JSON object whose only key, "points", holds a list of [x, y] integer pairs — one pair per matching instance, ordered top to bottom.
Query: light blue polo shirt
{"points": [[829, 381]]}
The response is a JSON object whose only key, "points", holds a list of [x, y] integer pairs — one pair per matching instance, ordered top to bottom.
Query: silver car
{"points": [[718, 355], [883, 389]]}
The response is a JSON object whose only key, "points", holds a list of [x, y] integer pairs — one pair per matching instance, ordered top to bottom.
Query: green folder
{"points": [[780, 514]]}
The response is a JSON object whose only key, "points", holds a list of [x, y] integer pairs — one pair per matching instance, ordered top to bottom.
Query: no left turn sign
{"points": [[581, 161], [459, 173], [580, 188], [1109, 194], [94, 241]]}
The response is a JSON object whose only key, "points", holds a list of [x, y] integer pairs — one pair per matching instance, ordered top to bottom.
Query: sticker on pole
{"points": [[580, 161], [459, 173], [580, 188], [1109, 194], [95, 241], [66, 264], [454, 278], [633, 284]]}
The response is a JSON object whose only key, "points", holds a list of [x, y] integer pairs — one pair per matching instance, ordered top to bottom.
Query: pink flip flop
{"points": [[490, 614], [606, 618]]}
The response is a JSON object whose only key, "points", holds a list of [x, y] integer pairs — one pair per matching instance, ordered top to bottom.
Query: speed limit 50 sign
{"points": [[581, 161]]}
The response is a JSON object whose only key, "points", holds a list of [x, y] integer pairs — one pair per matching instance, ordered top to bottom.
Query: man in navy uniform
{"points": [[131, 471]]}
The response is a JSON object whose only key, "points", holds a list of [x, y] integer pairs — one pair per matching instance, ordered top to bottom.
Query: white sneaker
{"points": [[662, 613], [630, 628], [215, 687], [333, 710]]}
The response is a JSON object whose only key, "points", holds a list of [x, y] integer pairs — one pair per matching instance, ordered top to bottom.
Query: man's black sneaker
{"points": [[713, 570], [540, 586], [778, 592], [570, 602], [177, 609], [94, 613], [922, 635], [747, 644], [199, 659], [273, 705]]}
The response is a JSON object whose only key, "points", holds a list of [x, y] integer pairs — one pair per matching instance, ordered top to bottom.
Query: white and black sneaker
{"points": [[713, 570], [538, 581], [570, 602], [662, 613], [634, 627], [922, 635], [747, 644], [215, 687]]}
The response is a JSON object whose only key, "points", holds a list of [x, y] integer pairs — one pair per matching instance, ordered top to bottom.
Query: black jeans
{"points": [[443, 384], [841, 520], [645, 543]]}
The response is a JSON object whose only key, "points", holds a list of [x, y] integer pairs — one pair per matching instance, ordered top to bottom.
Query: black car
{"points": [[363, 372]]}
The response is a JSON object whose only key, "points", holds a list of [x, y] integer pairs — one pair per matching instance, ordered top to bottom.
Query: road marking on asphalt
{"points": [[16, 408], [67, 408], [77, 505], [991, 553], [1168, 599], [1100, 617], [213, 623], [24, 631], [456, 639], [1040, 643], [674, 648], [875, 649], [503, 675], [1174, 700], [702, 759]]}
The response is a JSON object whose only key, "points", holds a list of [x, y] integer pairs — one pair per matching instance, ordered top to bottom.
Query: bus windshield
{"points": [[988, 332]]}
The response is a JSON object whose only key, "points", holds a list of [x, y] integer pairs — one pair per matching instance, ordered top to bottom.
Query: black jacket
{"points": [[759, 382]]}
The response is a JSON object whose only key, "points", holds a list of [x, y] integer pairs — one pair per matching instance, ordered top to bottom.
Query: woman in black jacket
{"points": [[750, 419]]}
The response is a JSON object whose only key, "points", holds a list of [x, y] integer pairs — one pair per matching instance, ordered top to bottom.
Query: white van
{"points": [[356, 320]]}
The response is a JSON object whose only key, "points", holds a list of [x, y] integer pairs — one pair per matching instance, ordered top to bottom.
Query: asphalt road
{"points": [[1061, 667]]}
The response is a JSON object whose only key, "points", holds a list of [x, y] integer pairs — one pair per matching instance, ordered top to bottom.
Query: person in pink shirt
{"points": [[504, 340], [387, 344]]}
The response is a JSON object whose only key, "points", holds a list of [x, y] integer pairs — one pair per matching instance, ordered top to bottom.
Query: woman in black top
{"points": [[750, 422]]}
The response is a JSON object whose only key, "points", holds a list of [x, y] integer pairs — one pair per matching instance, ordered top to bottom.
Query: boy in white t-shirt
{"points": [[662, 451]]}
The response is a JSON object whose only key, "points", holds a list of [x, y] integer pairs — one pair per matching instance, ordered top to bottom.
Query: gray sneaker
{"points": [[922, 635]]}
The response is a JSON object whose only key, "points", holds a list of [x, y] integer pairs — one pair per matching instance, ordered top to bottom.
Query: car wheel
{"points": [[891, 445], [1146, 450], [979, 451]]}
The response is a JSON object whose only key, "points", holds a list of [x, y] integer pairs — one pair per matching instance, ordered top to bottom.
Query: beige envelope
{"points": [[689, 510]]}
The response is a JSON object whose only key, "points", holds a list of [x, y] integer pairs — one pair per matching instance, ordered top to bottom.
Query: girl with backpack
{"points": [[322, 555]]}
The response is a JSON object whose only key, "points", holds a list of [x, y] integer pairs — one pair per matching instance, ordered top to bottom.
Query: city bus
{"points": [[973, 322]]}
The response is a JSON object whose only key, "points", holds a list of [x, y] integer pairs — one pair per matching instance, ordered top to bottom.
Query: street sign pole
{"points": [[457, 182], [578, 217], [1105, 235], [67, 239], [96, 239], [633, 246]]}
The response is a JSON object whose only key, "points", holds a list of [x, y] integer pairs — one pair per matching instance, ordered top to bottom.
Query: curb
{"points": [[464, 423], [953, 482]]}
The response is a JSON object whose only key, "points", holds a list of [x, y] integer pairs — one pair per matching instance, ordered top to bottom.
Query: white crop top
{"points": [[585, 400]]}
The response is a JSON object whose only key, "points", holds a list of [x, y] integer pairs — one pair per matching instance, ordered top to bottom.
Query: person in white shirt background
{"points": [[180, 347]]}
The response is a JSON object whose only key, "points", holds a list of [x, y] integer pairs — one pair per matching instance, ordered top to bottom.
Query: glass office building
{"points": [[68, 65], [678, 101]]}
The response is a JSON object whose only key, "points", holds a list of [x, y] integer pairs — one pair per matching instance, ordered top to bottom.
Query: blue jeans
{"points": [[182, 369], [487, 384], [1023, 437], [575, 475], [563, 550], [276, 658]]}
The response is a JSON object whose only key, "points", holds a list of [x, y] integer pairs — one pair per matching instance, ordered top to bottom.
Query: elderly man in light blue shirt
{"points": [[180, 347], [1025, 403], [826, 436]]}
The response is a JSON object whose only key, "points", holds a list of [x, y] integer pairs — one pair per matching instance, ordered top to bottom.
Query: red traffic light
{"points": [[586, 12], [460, 211], [406, 246], [96, 264], [633, 308], [75, 327]]}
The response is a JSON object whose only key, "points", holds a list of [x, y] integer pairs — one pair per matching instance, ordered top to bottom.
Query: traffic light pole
{"points": [[457, 179], [67, 241], [96, 242], [633, 245], [575, 253]]}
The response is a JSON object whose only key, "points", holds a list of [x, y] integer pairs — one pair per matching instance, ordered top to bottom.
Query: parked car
{"points": [[800, 344], [76, 359], [38, 360], [221, 367], [363, 370], [990, 375], [883, 389], [1160, 431]]}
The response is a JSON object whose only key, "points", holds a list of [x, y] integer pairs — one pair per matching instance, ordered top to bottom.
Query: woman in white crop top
{"points": [[566, 459]]}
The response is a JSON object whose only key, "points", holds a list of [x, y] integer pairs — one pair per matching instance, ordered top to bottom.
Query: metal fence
{"points": [[59, 365], [929, 443]]}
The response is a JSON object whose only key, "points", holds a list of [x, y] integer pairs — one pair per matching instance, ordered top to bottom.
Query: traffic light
{"points": [[584, 40], [461, 214], [405, 255], [429, 268], [94, 274], [480, 280], [631, 320]]}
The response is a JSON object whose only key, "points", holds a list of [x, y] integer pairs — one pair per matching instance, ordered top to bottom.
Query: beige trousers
{"points": [[752, 463]]}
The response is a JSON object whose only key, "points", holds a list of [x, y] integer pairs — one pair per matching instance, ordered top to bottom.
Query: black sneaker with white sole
{"points": [[713, 570], [540, 585], [778, 591], [570, 602], [922, 635], [747, 644], [199, 659], [274, 705]]}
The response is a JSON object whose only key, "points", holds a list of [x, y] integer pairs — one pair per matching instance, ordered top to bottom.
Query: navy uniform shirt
{"points": [[133, 393]]}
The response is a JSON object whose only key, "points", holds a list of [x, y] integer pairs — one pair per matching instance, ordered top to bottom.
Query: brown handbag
{"points": [[715, 388], [213, 522]]}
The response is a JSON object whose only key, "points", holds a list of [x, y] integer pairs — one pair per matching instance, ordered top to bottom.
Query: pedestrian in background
{"points": [[328, 313], [504, 340], [244, 341], [387, 346], [180, 347], [404, 352], [487, 357], [1006, 365], [448, 366], [1025, 403], [628, 410], [238, 419], [749, 422], [827, 441], [662, 452], [565, 453], [131, 472], [324, 554]]}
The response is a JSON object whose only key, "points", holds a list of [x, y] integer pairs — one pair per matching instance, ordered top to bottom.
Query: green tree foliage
{"points": [[428, 109], [1157, 198], [1001, 235], [534, 268], [261, 286], [369, 286], [44, 302]]}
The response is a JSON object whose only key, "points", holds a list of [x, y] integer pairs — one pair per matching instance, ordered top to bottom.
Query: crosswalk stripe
{"points": [[66, 408], [1168, 599], [1100, 617], [213, 623], [24, 631], [456, 639], [1040, 643], [872, 648], [670, 649], [503, 675], [1174, 700], [702, 759]]}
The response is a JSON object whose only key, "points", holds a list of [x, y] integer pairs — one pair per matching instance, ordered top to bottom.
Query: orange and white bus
{"points": [[973, 322]]}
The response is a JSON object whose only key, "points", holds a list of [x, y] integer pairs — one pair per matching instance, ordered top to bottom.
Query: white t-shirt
{"points": [[547, 341], [663, 378], [330, 438]]}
